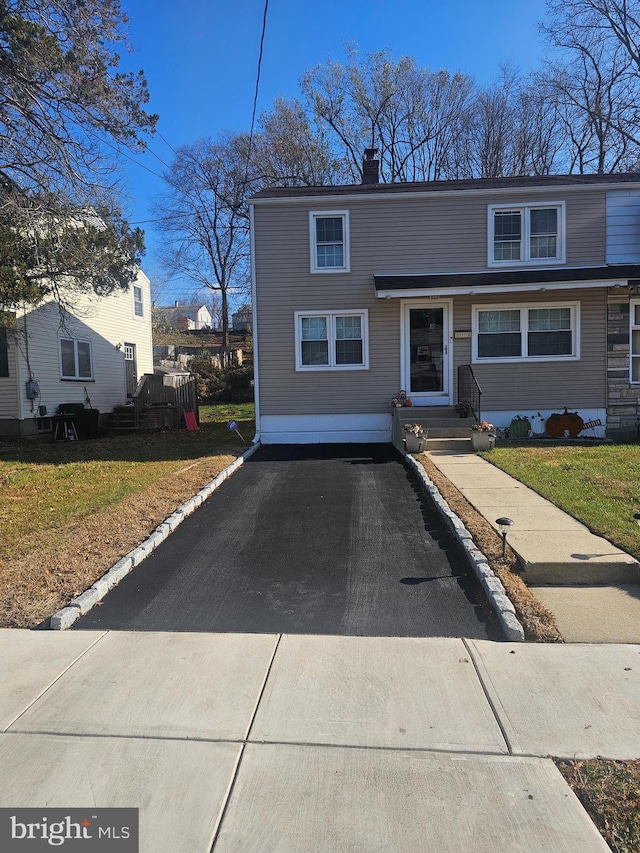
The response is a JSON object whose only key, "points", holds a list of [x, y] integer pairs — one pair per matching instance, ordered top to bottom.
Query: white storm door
{"points": [[427, 352]]}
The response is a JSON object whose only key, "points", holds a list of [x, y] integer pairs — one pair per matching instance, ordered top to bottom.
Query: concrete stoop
{"points": [[440, 422]]}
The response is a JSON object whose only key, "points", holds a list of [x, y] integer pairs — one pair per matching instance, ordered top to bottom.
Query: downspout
{"points": [[254, 319]]}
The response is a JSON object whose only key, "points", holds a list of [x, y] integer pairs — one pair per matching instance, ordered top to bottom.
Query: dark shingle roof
{"points": [[448, 186]]}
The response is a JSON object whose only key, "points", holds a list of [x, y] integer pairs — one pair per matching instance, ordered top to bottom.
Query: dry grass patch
{"points": [[72, 510], [38, 583], [538, 622], [610, 793]]}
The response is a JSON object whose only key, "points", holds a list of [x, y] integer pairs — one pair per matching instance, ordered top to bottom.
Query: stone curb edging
{"points": [[491, 585], [66, 616]]}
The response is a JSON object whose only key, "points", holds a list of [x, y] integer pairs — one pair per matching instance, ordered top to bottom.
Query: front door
{"points": [[426, 352], [130, 368]]}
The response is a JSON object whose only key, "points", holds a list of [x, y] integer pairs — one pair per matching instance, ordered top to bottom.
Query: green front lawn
{"points": [[600, 485]]}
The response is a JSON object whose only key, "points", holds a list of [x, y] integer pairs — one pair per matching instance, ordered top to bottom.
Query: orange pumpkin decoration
{"points": [[557, 424]]}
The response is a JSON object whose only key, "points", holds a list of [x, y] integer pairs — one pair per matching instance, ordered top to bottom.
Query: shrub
{"points": [[222, 384]]}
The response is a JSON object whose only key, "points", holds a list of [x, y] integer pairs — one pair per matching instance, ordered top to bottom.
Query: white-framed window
{"points": [[526, 234], [329, 241], [138, 302], [535, 332], [332, 340], [634, 341], [76, 359]]}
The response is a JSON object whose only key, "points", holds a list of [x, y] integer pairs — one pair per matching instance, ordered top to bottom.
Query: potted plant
{"points": [[401, 400], [465, 410], [483, 436], [415, 438]]}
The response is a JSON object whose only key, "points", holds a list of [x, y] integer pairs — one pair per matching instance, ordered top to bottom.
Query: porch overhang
{"points": [[514, 281]]}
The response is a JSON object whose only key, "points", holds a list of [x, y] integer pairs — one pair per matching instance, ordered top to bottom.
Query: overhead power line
{"points": [[255, 96]]}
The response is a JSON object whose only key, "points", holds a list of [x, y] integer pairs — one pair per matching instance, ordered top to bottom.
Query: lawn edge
{"points": [[491, 584], [83, 603]]}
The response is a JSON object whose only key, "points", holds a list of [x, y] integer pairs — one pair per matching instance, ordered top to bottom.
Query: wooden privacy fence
{"points": [[161, 401]]}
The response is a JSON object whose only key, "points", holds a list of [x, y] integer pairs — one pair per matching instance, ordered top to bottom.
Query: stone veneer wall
{"points": [[622, 397]]}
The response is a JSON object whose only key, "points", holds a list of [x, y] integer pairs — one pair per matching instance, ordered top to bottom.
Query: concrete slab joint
{"points": [[492, 585], [66, 616]]}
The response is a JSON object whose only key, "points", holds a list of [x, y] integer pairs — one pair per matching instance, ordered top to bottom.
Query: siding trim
{"points": [[254, 312], [322, 429]]}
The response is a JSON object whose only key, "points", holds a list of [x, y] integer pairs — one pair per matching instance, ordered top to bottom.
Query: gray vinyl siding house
{"points": [[360, 291]]}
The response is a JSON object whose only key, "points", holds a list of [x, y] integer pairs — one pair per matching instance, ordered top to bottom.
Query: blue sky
{"points": [[200, 59]]}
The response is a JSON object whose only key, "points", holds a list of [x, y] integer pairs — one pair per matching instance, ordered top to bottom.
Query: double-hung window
{"points": [[529, 234], [329, 241], [138, 304], [531, 332], [332, 340], [76, 360]]}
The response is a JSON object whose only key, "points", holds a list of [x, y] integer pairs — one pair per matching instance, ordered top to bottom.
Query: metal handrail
{"points": [[469, 391]]}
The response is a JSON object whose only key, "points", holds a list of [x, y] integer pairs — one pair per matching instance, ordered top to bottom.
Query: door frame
{"points": [[128, 361], [428, 398]]}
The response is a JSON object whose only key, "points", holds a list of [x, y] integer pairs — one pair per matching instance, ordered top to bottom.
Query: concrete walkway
{"points": [[591, 587], [239, 742]]}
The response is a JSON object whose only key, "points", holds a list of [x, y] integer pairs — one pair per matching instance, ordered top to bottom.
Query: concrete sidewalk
{"points": [[591, 587], [310, 743]]}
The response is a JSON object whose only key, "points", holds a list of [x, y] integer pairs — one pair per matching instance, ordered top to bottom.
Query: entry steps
{"points": [[442, 423]]}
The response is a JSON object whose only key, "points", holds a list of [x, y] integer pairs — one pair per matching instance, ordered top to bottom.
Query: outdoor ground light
{"points": [[504, 524]]}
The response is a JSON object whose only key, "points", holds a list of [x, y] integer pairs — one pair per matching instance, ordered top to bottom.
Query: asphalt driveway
{"points": [[315, 539]]}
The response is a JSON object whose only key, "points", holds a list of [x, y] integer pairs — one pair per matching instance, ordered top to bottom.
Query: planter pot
{"points": [[482, 440], [415, 443]]}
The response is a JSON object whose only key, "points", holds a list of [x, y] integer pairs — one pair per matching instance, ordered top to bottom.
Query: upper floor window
{"points": [[531, 234], [329, 236], [138, 305], [516, 332], [331, 340], [76, 361]]}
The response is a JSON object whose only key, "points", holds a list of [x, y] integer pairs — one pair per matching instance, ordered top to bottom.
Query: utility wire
{"points": [[255, 97], [253, 122]]}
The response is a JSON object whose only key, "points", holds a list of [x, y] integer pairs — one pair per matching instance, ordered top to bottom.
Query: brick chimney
{"points": [[370, 166]]}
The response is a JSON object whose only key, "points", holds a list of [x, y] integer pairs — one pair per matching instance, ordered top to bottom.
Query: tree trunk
{"points": [[225, 317]]}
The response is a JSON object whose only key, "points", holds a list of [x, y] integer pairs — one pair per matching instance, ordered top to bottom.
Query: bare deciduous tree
{"points": [[596, 85], [409, 114], [203, 217]]}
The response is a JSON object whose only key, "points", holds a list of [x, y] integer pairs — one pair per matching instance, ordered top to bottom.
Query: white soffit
{"points": [[479, 290]]}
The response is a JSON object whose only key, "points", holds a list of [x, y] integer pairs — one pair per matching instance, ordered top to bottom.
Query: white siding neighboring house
{"points": [[532, 283], [188, 318], [98, 349]]}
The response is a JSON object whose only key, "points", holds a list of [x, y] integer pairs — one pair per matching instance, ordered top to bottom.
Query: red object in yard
{"points": [[190, 420]]}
